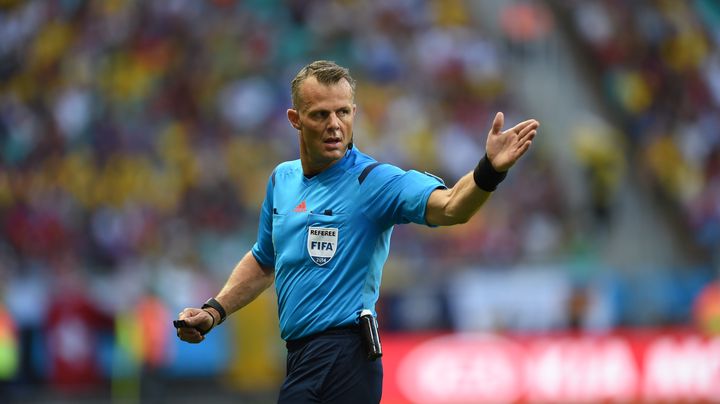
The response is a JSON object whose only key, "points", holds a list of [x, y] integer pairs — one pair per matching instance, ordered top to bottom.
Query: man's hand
{"points": [[504, 148], [196, 319]]}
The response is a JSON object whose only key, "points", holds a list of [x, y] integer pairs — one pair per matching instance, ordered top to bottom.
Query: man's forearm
{"points": [[457, 204], [246, 282]]}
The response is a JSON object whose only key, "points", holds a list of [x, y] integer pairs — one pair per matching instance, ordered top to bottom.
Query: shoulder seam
{"points": [[284, 167], [367, 170]]}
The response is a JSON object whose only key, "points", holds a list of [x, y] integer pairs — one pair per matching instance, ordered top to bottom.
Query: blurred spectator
{"points": [[658, 63], [599, 152], [27, 302], [706, 309], [72, 332], [9, 342], [142, 342]]}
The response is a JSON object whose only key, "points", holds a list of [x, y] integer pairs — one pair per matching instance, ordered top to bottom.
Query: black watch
{"points": [[211, 302]]}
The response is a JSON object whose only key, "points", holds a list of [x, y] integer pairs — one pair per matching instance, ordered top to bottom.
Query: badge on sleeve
{"points": [[322, 243]]}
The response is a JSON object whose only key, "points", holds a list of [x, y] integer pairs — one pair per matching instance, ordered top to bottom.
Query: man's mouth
{"points": [[333, 141]]}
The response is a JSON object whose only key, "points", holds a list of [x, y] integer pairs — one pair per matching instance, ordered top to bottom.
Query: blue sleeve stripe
{"points": [[366, 171]]}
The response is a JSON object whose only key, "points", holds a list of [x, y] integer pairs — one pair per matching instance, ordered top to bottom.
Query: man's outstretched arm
{"points": [[503, 149], [246, 282]]}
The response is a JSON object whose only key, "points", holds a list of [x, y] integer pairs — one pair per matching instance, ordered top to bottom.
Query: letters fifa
{"points": [[321, 245]]}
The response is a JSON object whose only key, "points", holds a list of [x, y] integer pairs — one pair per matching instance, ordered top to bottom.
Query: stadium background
{"points": [[137, 136]]}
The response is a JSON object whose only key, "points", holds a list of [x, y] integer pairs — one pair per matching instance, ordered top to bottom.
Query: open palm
{"points": [[504, 148]]}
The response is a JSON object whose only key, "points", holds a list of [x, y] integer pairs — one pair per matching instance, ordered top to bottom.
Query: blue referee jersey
{"points": [[328, 236]]}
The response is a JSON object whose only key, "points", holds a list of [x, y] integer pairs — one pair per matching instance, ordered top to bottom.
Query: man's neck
{"points": [[310, 170]]}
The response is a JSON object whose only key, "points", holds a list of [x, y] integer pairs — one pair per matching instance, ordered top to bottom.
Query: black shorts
{"points": [[331, 367]]}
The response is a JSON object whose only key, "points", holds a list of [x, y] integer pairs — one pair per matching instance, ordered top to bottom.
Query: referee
{"points": [[324, 235]]}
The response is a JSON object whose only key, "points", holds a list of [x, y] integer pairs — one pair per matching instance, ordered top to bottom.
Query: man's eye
{"points": [[343, 112]]}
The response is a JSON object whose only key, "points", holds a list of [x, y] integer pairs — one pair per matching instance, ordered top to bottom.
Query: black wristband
{"points": [[485, 176], [211, 302]]}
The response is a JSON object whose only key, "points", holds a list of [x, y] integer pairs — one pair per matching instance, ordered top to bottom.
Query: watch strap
{"points": [[211, 302]]}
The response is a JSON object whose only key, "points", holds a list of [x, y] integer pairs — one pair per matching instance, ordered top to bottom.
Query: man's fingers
{"points": [[498, 123], [529, 124], [524, 131], [528, 134], [524, 147], [187, 312], [191, 316], [190, 335]]}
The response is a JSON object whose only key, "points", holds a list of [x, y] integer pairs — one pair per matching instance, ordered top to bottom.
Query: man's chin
{"points": [[335, 151]]}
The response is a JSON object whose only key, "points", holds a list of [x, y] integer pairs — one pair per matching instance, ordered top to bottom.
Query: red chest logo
{"points": [[302, 207]]}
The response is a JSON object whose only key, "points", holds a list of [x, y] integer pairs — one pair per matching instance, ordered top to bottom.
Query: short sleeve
{"points": [[396, 196], [263, 249]]}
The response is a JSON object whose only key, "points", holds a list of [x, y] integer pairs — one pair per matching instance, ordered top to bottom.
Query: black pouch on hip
{"points": [[369, 329]]}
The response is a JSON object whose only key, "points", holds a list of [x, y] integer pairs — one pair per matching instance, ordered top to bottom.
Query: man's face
{"points": [[325, 121]]}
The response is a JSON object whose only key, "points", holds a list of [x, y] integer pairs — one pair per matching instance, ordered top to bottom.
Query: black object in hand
{"points": [[180, 324]]}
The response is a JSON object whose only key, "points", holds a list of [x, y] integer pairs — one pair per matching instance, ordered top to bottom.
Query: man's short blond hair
{"points": [[326, 72]]}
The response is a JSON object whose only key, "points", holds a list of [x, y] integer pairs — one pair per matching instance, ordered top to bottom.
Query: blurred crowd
{"points": [[659, 65], [137, 137]]}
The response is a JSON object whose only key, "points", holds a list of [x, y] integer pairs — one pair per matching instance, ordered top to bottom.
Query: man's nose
{"points": [[334, 122]]}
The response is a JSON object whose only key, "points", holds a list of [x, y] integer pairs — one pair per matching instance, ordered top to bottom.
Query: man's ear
{"points": [[294, 118]]}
